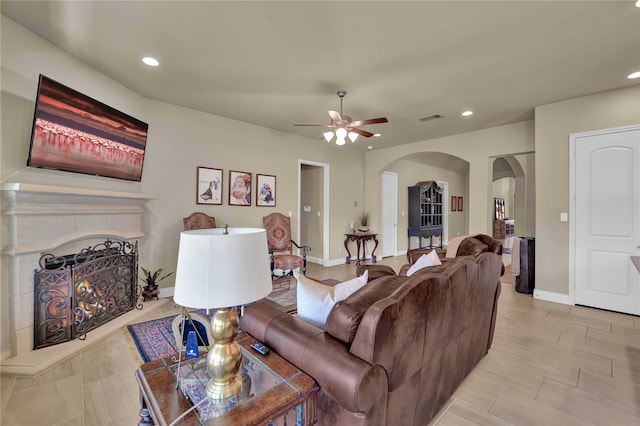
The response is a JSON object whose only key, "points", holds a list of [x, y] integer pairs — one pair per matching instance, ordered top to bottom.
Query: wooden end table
{"points": [[361, 239], [275, 388]]}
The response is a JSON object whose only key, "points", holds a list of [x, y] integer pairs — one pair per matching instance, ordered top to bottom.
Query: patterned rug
{"points": [[154, 339]]}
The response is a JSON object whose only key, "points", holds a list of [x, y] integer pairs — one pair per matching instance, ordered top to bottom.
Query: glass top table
{"points": [[271, 388]]}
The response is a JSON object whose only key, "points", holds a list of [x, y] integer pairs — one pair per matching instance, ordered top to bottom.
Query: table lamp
{"points": [[221, 268]]}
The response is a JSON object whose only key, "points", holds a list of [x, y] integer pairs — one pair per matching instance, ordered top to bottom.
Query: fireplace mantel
{"points": [[41, 217], [59, 220]]}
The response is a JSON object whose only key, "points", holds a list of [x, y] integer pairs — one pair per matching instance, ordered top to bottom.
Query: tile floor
{"points": [[550, 364]]}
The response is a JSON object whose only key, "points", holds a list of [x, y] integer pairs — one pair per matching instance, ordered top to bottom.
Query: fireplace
{"points": [[39, 219], [78, 292]]}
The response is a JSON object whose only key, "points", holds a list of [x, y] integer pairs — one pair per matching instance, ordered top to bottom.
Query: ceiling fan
{"points": [[343, 126]]}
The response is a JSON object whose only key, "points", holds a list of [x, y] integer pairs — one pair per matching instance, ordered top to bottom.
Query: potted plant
{"points": [[364, 222], [150, 291]]}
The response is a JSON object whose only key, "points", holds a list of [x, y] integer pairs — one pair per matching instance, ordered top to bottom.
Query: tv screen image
{"points": [[76, 133]]}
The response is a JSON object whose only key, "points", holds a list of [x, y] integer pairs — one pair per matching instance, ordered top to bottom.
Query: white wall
{"points": [[554, 123], [179, 140], [477, 148]]}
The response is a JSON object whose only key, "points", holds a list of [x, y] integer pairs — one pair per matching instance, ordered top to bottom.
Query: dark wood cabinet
{"points": [[425, 212], [502, 226]]}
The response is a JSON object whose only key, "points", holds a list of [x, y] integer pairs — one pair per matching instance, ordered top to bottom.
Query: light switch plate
{"points": [[564, 217]]}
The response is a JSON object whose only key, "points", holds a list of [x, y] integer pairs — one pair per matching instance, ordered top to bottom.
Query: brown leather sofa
{"points": [[472, 245], [394, 351]]}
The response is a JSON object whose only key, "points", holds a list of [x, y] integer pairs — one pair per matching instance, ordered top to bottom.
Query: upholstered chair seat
{"points": [[280, 244]]}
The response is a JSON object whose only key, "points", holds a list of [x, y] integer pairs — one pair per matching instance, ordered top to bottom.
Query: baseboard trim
{"points": [[312, 259], [166, 292], [550, 296]]}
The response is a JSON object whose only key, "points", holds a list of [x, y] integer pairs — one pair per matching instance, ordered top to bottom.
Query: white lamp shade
{"points": [[341, 133], [328, 136], [353, 136], [215, 270]]}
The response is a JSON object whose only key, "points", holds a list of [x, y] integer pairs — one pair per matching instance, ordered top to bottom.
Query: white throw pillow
{"points": [[434, 258], [422, 262], [347, 288], [315, 300]]}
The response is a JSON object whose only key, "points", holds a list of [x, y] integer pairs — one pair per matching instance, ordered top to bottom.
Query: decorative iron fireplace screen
{"points": [[76, 293]]}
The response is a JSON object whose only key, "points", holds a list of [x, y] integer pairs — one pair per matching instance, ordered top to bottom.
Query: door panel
{"points": [[607, 220]]}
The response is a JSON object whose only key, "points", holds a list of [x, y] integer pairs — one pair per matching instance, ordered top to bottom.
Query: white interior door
{"points": [[389, 214], [607, 219]]}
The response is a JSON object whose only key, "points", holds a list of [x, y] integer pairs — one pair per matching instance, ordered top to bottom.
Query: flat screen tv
{"points": [[76, 133]]}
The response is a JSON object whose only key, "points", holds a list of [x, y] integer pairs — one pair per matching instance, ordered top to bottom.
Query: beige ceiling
{"points": [[278, 63]]}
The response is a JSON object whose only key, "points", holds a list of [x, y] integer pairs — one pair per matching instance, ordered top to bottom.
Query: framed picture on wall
{"points": [[208, 185], [239, 188], [265, 190], [454, 203], [460, 204]]}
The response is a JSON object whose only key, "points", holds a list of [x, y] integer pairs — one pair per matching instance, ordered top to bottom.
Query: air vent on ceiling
{"points": [[431, 117]]}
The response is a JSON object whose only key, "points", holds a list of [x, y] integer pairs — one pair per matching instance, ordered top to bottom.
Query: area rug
{"points": [[154, 339]]}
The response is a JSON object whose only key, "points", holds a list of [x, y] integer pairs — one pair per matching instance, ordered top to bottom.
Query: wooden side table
{"points": [[361, 239], [275, 388]]}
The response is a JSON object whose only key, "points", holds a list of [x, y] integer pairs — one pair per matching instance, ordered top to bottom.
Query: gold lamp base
{"points": [[225, 356]]}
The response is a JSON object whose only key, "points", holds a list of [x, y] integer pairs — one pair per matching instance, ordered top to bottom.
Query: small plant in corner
{"points": [[153, 278], [150, 291]]}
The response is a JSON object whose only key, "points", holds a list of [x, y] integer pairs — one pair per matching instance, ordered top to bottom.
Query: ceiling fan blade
{"points": [[335, 116], [370, 121], [317, 125], [360, 132]]}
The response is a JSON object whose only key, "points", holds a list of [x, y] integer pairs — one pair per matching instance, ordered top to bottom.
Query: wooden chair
{"points": [[198, 220], [280, 244]]}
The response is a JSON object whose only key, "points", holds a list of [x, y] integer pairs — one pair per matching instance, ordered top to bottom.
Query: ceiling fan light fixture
{"points": [[342, 126]]}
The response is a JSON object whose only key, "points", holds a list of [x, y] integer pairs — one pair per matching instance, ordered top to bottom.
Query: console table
{"points": [[361, 239], [272, 388]]}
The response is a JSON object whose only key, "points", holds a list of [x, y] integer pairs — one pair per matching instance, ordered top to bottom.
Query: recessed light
{"points": [[152, 62], [634, 74], [467, 113], [376, 135], [369, 147]]}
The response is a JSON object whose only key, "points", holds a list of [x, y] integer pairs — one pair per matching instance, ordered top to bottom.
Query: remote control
{"points": [[260, 348]]}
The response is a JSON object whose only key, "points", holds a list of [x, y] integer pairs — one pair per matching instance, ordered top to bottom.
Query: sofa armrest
{"points": [[375, 271], [347, 379]]}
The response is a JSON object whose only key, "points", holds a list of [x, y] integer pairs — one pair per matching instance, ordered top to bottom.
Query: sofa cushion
{"points": [[471, 247], [429, 259], [315, 299], [344, 319]]}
